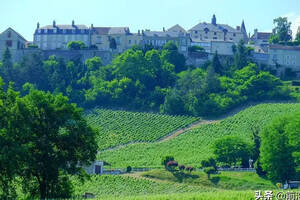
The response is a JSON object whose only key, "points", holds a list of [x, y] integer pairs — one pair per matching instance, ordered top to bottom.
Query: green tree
{"points": [[282, 31], [76, 45], [171, 55], [241, 55], [216, 64], [7, 70], [212, 83], [55, 139], [231, 150], [279, 151], [11, 152]]}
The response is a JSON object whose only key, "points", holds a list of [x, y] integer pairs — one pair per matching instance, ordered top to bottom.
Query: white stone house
{"points": [[95, 168]]}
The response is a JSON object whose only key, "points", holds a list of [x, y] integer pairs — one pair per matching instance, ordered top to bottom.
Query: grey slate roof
{"points": [[60, 26], [177, 26], [215, 28], [111, 30], [162, 34]]}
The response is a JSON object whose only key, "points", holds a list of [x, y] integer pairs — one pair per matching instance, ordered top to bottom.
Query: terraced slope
{"points": [[122, 127], [195, 145]]}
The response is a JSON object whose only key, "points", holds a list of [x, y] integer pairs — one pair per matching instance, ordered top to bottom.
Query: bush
{"points": [[76, 45], [166, 159], [210, 162], [171, 165], [181, 167], [128, 169], [189, 169], [209, 171]]}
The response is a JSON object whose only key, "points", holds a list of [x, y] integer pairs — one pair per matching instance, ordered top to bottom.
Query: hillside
{"points": [[122, 127], [193, 146], [165, 184]]}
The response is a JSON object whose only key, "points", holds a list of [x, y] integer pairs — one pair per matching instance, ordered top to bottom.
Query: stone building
{"points": [[203, 33], [175, 34], [57, 36], [102, 36], [12, 40], [261, 41], [282, 57]]}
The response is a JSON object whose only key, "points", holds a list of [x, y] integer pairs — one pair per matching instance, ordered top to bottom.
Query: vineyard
{"points": [[122, 127], [195, 145], [165, 184]]}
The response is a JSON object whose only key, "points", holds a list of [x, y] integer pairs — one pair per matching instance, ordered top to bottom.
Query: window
{"points": [[54, 30], [73, 30], [82, 30], [39, 31], [45, 31], [64, 31], [196, 32], [215, 33], [9, 34], [234, 35], [215, 38], [98, 39], [129, 41], [8, 43]]}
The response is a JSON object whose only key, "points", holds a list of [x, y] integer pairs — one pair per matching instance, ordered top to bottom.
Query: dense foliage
{"points": [[149, 79], [122, 127], [42, 138], [280, 153]]}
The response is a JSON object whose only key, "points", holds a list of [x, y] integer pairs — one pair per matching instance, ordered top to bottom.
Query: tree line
{"points": [[144, 78]]}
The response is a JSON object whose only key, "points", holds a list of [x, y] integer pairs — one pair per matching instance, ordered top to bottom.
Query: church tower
{"points": [[243, 30]]}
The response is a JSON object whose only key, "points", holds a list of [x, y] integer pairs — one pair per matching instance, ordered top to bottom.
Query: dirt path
{"points": [[198, 124], [183, 130]]}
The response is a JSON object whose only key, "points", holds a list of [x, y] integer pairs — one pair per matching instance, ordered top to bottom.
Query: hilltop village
{"points": [[105, 42]]}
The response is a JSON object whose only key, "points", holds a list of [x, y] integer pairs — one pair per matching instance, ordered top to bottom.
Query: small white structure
{"points": [[95, 168]]}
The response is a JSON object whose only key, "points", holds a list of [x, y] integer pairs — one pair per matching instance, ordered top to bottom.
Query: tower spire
{"points": [[214, 20]]}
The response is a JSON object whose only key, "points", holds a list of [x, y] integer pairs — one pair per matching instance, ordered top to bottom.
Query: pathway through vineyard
{"points": [[195, 125]]}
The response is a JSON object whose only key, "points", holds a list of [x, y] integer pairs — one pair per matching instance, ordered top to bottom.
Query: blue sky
{"points": [[22, 15]]}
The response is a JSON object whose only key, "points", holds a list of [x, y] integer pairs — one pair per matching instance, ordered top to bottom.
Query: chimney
{"points": [[214, 20], [54, 23], [73, 23], [38, 25], [92, 26], [238, 28], [164, 30], [139, 32], [255, 33]]}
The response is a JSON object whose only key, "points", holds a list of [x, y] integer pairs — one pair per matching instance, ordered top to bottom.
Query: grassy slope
{"points": [[121, 127], [192, 147], [223, 180], [164, 185]]}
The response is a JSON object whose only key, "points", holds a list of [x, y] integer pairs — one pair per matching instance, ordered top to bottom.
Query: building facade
{"points": [[203, 33], [175, 34], [56, 36], [103, 36], [12, 40], [282, 57]]}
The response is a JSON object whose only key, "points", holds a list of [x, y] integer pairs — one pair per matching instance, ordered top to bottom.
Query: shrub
{"points": [[76, 45], [166, 159], [210, 162], [171, 165], [181, 167], [128, 169], [189, 169], [209, 171]]}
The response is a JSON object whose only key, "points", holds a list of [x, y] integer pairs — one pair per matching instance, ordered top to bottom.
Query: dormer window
{"points": [[54, 30], [64, 30], [73, 30], [82, 30], [39, 31], [45, 31], [196, 32]]}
